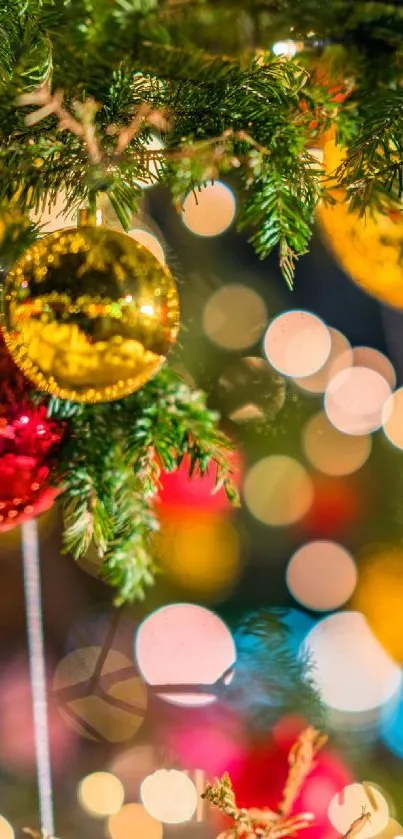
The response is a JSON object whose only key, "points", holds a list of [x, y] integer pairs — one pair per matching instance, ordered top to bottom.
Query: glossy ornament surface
{"points": [[368, 247], [89, 314]]}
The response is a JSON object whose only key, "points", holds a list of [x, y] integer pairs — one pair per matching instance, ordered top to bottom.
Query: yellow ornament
{"points": [[369, 248], [89, 314]]}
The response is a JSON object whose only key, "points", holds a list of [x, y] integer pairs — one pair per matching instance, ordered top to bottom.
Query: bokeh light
{"points": [[286, 48], [154, 166], [209, 210], [53, 216], [150, 241], [234, 317], [297, 344], [340, 357], [377, 361], [252, 390], [354, 400], [392, 418], [332, 452], [278, 490], [200, 553], [321, 575], [379, 596], [185, 644], [351, 669], [112, 707], [101, 794], [170, 796], [349, 803], [134, 821], [6, 829]]}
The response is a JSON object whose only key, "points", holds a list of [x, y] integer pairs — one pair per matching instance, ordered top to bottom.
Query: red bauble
{"points": [[28, 439], [179, 491], [259, 779]]}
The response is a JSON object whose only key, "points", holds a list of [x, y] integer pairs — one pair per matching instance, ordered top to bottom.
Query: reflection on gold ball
{"points": [[369, 248], [89, 314]]}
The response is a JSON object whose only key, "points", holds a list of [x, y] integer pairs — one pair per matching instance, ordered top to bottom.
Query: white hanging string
{"points": [[33, 605]]}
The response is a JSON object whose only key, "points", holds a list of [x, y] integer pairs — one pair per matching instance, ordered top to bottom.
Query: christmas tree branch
{"points": [[219, 101], [109, 469]]}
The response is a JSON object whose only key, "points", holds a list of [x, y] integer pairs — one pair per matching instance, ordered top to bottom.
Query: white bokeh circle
{"points": [[185, 644]]}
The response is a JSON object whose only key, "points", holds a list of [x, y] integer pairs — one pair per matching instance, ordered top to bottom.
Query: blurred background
{"points": [[308, 386]]}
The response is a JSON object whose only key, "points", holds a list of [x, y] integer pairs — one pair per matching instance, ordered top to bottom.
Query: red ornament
{"points": [[27, 440], [180, 491], [259, 779]]}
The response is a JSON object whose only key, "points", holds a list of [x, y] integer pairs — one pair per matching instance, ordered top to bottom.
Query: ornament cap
{"points": [[87, 216]]}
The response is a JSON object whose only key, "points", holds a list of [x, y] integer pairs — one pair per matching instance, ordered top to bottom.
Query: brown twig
{"points": [[52, 103], [158, 119], [81, 123], [301, 761], [357, 825]]}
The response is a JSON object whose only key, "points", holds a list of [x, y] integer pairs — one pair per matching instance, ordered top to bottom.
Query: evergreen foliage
{"points": [[84, 84]]}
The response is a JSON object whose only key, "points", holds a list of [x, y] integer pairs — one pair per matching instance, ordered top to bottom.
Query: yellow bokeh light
{"points": [[210, 210], [150, 241], [234, 317], [392, 418], [332, 452], [278, 490], [201, 554], [379, 596], [101, 794], [170, 796], [344, 807], [133, 822], [6, 829]]}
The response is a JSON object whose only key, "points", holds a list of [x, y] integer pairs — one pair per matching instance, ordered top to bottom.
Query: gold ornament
{"points": [[369, 248], [89, 314]]}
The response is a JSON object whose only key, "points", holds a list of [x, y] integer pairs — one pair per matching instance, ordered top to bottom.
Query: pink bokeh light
{"points": [[297, 344], [355, 399], [184, 644]]}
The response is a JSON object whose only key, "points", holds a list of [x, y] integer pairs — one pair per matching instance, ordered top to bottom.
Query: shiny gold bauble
{"points": [[369, 248], [89, 314]]}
